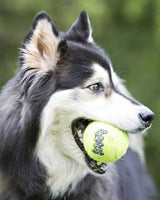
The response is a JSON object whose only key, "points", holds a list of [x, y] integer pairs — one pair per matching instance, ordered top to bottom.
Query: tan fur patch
{"points": [[41, 51]]}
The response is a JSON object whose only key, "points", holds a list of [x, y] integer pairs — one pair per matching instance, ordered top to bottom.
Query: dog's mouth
{"points": [[78, 127]]}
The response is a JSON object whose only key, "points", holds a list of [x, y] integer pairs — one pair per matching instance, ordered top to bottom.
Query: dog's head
{"points": [[66, 82], [81, 83]]}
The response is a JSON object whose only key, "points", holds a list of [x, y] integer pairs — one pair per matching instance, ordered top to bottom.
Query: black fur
{"points": [[80, 30], [22, 101]]}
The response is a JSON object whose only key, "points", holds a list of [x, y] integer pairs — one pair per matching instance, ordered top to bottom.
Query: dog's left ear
{"points": [[81, 30], [40, 47]]}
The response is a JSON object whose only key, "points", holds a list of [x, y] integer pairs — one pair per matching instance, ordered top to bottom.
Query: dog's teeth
{"points": [[80, 133], [81, 139], [99, 163]]}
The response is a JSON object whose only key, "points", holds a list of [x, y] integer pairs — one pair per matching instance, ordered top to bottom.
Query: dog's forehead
{"points": [[90, 53], [82, 63], [100, 64], [100, 74]]}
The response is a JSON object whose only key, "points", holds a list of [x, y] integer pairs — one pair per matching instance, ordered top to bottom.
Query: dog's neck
{"points": [[63, 172], [65, 177]]}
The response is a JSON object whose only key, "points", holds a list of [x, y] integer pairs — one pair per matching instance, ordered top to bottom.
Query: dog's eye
{"points": [[96, 87]]}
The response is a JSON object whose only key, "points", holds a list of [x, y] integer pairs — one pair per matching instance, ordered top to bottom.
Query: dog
{"points": [[64, 82]]}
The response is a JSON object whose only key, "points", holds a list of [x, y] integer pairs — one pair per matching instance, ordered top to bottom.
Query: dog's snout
{"points": [[147, 117]]}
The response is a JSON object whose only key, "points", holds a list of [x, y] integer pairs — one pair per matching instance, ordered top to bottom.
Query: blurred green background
{"points": [[128, 30]]}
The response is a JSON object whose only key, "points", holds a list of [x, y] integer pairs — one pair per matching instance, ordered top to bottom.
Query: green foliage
{"points": [[133, 10], [129, 30]]}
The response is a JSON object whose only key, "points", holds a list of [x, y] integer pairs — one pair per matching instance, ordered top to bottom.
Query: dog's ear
{"points": [[81, 29], [39, 49]]}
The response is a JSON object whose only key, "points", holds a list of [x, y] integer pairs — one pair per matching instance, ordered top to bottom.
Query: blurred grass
{"points": [[128, 30]]}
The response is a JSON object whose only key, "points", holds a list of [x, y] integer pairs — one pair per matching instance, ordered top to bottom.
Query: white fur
{"points": [[90, 38], [57, 148]]}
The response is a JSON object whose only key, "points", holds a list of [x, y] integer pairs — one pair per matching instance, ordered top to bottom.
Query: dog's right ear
{"points": [[81, 30], [40, 47]]}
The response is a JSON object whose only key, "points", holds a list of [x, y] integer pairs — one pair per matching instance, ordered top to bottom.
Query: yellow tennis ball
{"points": [[104, 142]]}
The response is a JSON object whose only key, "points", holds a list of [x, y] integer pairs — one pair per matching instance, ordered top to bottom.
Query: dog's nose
{"points": [[147, 117]]}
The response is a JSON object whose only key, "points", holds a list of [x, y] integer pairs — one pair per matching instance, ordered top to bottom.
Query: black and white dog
{"points": [[64, 82]]}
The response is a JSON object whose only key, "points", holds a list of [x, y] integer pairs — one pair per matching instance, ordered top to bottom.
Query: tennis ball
{"points": [[104, 142]]}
